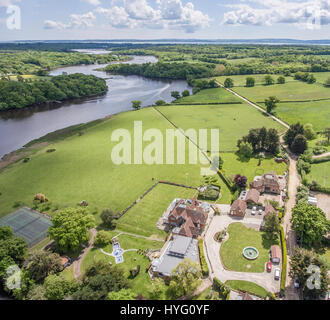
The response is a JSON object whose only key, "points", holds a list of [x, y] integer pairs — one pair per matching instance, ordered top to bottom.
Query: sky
{"points": [[163, 19]]}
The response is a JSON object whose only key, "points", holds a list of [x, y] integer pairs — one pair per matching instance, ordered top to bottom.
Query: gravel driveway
{"points": [[212, 252]]}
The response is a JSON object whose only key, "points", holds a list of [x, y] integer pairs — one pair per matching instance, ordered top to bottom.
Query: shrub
{"points": [[51, 150], [319, 150], [26, 160], [41, 198], [108, 218], [102, 239], [284, 261], [204, 267], [135, 271], [223, 290]]}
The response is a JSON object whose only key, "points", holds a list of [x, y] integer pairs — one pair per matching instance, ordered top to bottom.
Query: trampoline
{"points": [[29, 224]]}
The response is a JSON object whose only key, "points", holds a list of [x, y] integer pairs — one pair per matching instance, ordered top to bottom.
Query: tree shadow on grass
{"points": [[268, 242]]}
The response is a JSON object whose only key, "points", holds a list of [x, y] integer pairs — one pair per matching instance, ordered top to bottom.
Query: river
{"points": [[18, 127]]}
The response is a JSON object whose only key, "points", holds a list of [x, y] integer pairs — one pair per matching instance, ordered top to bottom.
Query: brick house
{"points": [[267, 183], [252, 198], [238, 208], [189, 217]]}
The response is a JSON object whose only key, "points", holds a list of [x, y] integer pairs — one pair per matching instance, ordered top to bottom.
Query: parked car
{"points": [[254, 211], [260, 212], [269, 266], [277, 274], [296, 284]]}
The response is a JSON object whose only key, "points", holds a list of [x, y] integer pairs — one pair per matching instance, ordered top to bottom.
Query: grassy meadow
{"points": [[215, 95], [82, 169]]}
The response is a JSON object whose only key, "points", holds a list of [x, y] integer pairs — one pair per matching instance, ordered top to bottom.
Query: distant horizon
{"points": [[168, 40]]}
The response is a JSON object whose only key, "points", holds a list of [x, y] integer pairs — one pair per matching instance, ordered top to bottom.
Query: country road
{"points": [[294, 182]]}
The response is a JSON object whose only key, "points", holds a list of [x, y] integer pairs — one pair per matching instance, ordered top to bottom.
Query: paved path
{"points": [[322, 155], [294, 182], [212, 252], [77, 263]]}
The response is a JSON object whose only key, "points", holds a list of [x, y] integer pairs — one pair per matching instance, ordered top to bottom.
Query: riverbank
{"points": [[25, 125]]}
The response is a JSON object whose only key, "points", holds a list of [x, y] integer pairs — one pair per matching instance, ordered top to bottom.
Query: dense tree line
{"points": [[32, 62], [173, 71], [17, 94]]}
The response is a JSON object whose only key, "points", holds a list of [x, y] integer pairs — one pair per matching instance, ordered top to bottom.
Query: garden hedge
{"points": [[321, 160], [284, 260], [205, 268], [223, 290]]}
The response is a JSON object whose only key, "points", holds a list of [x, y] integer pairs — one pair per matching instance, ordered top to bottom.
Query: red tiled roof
{"points": [[253, 195], [239, 205]]}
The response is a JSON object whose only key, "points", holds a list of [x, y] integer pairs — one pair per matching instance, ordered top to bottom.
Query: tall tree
{"points": [[269, 80], [250, 82], [229, 83], [136, 104], [271, 104], [294, 130], [326, 133], [299, 144], [310, 224], [272, 226], [70, 228], [43, 263], [185, 279], [313, 281]]}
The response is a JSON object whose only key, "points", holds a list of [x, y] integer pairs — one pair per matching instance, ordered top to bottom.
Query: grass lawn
{"points": [[321, 77], [240, 81], [291, 91], [216, 95], [315, 112], [233, 121], [313, 143], [233, 166], [82, 169], [320, 173], [142, 218], [241, 237], [68, 273], [142, 282], [246, 286]]}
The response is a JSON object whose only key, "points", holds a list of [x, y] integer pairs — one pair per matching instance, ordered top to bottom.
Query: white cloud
{"points": [[93, 2], [6, 3], [170, 14], [307, 14], [76, 21]]}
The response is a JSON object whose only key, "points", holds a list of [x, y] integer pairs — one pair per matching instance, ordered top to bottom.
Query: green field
{"points": [[322, 77], [291, 91], [216, 95], [315, 112], [234, 121], [233, 166], [82, 169], [321, 174], [142, 218], [241, 237], [142, 282], [246, 286]]}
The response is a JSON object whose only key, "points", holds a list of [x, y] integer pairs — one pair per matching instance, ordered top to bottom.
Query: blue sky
{"points": [[159, 19]]}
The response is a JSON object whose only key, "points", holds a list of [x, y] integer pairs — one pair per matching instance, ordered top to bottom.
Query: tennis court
{"points": [[29, 224]]}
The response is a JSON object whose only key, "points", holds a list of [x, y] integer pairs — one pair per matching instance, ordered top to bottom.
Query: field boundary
{"points": [[152, 188]]}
